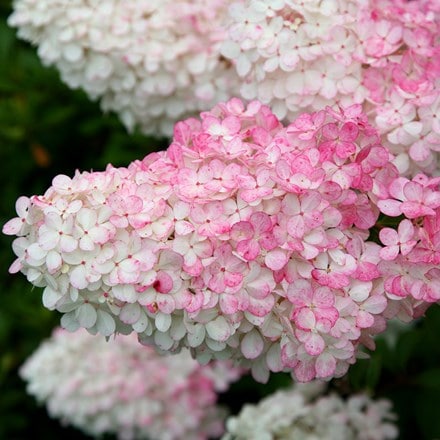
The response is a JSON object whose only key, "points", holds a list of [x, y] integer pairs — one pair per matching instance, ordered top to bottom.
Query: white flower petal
{"points": [[50, 298], [130, 313], [86, 315], [162, 321], [105, 323], [219, 329], [252, 345]]}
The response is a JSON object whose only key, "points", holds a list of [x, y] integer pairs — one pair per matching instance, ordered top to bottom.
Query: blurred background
{"points": [[47, 129]]}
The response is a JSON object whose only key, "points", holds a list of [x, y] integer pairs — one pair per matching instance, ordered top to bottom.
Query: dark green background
{"points": [[47, 129]]}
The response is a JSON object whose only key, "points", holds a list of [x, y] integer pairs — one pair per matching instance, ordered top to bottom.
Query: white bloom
{"points": [[152, 62], [120, 387], [304, 413]]}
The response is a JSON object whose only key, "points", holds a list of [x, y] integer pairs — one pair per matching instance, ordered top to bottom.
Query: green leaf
{"points": [[7, 39], [406, 347], [429, 379], [427, 413]]}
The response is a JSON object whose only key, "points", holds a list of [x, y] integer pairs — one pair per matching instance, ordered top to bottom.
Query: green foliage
{"points": [[47, 129]]}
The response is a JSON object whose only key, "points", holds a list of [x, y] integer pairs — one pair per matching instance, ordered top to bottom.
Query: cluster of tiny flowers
{"points": [[384, 54], [151, 61], [246, 239], [122, 388], [304, 413]]}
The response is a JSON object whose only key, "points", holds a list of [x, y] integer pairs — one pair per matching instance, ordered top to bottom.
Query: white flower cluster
{"points": [[153, 62], [119, 387], [303, 413]]}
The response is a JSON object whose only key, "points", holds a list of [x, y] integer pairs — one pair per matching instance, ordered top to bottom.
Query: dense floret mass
{"points": [[384, 54], [153, 62], [157, 62], [282, 247], [122, 388], [303, 412]]}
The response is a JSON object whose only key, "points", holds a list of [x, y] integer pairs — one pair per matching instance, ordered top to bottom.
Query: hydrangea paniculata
{"points": [[299, 56], [153, 62], [246, 239], [119, 387], [304, 412]]}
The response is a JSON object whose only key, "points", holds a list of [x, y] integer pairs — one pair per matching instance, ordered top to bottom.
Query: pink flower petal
{"points": [[390, 207], [13, 226], [388, 236], [389, 253], [276, 259], [304, 318], [314, 344], [325, 365]]}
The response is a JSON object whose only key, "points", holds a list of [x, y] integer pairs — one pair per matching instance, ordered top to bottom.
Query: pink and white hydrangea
{"points": [[301, 56], [153, 62], [246, 239], [121, 388], [305, 412]]}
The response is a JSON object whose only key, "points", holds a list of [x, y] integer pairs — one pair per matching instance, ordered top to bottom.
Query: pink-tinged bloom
{"points": [[385, 39], [300, 57], [226, 128], [339, 141], [195, 184], [411, 198], [419, 201], [127, 210], [304, 213], [210, 219], [16, 225], [93, 228], [57, 232], [253, 235], [244, 240], [400, 241], [194, 249], [428, 249], [367, 256], [130, 260], [226, 272], [333, 273], [258, 285], [161, 288], [430, 289], [314, 298], [365, 318], [309, 335], [170, 396]]}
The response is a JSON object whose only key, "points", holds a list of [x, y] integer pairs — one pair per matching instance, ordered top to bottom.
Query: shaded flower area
{"points": [[151, 62], [246, 239], [118, 387], [305, 412]]}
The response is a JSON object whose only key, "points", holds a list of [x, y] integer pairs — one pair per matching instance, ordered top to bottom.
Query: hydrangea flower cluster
{"points": [[384, 54], [153, 62], [246, 239], [119, 387], [302, 412]]}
